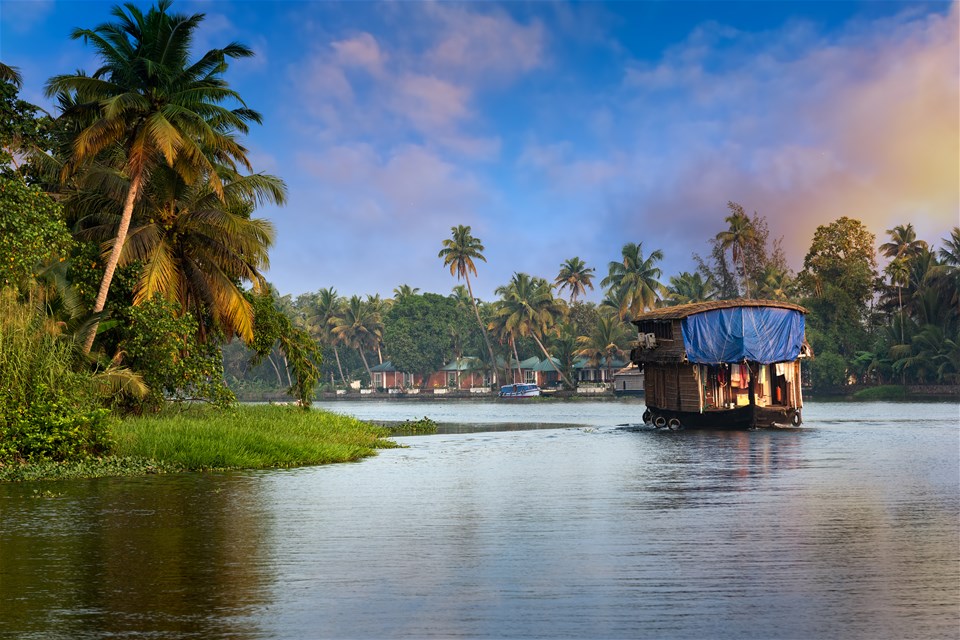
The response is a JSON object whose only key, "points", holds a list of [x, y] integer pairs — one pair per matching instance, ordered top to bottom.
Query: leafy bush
{"points": [[32, 231], [161, 344], [828, 371], [885, 392], [49, 410], [422, 426]]}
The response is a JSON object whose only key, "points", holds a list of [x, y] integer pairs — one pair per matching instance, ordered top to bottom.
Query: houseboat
{"points": [[722, 364], [520, 390]]}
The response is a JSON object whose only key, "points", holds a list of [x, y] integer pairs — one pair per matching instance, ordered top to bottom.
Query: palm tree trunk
{"points": [[114, 258], [746, 280], [900, 301], [483, 329], [336, 354], [515, 355], [552, 363], [366, 366], [286, 369], [276, 370]]}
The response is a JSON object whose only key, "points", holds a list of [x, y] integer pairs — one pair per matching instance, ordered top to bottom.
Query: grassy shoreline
{"points": [[206, 439]]}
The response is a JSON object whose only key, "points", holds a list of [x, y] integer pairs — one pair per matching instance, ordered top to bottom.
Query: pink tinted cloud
{"points": [[487, 44], [362, 51], [865, 126]]}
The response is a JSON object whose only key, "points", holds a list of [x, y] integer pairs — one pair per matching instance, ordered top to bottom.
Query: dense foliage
{"points": [[32, 231], [422, 331], [49, 408]]}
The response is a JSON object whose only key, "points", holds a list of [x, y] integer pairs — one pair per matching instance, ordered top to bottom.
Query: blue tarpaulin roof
{"points": [[757, 334]]}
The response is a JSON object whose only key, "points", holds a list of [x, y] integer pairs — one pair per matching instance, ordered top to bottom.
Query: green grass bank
{"points": [[203, 439]]}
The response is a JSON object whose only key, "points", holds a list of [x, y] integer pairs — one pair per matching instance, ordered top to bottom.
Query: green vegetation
{"points": [[131, 278], [885, 392], [49, 410], [421, 426], [248, 437], [201, 438]]}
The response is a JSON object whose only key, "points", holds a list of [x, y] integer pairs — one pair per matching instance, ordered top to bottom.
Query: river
{"points": [[848, 527]]}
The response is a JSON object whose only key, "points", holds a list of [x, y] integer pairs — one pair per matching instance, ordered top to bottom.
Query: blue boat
{"points": [[522, 390]]}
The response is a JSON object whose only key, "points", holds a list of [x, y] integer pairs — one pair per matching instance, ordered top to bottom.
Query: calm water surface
{"points": [[848, 527]]}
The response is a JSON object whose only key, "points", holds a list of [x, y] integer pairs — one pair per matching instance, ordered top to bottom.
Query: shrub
{"points": [[161, 344], [49, 410]]}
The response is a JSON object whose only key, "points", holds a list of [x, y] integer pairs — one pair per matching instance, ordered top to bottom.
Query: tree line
{"points": [[865, 325]]}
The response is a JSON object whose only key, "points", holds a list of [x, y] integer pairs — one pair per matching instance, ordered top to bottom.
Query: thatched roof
{"points": [[683, 310]]}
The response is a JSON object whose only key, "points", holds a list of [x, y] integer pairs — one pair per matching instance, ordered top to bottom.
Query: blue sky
{"points": [[559, 129]]}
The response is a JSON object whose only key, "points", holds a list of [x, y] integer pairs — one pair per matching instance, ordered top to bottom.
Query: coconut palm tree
{"points": [[11, 75], [156, 106], [738, 237], [903, 242], [195, 247], [950, 251], [459, 253], [950, 259], [899, 274], [574, 275], [635, 279], [775, 283], [689, 287], [404, 291], [461, 296], [617, 301], [327, 305], [377, 307], [530, 310], [356, 326], [505, 336], [604, 343]]}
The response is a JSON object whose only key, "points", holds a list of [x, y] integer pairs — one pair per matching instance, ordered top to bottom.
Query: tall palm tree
{"points": [[11, 75], [149, 100], [738, 237], [903, 242], [195, 247], [902, 248], [950, 251], [458, 253], [950, 259], [899, 274], [574, 275], [635, 278], [775, 283], [690, 287], [404, 291], [461, 296], [617, 301], [327, 306], [377, 307], [530, 310], [357, 327], [505, 335], [604, 343]]}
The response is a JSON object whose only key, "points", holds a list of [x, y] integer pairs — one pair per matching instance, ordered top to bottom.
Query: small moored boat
{"points": [[522, 390]]}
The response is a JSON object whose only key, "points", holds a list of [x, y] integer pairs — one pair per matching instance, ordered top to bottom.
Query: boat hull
{"points": [[519, 391], [747, 417]]}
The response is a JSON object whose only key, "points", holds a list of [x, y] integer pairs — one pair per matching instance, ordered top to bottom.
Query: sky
{"points": [[564, 129]]}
